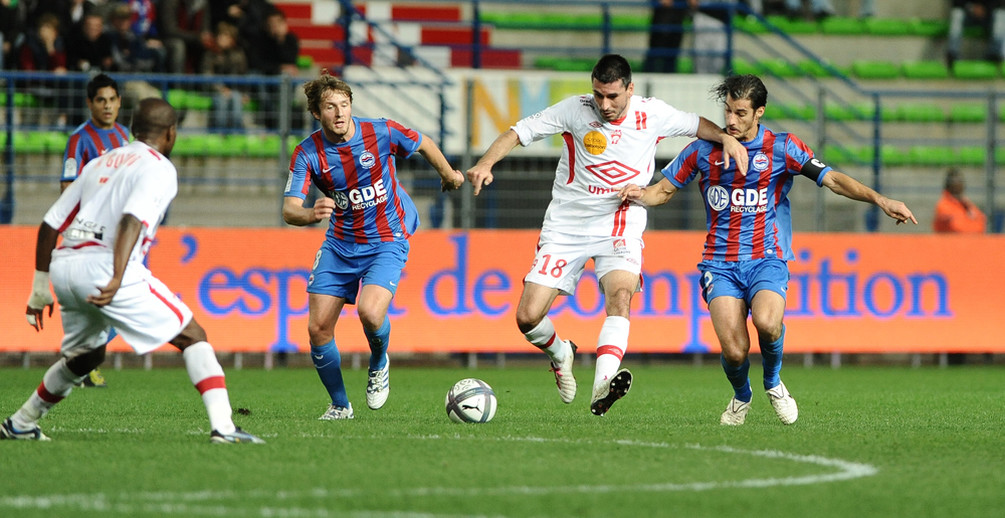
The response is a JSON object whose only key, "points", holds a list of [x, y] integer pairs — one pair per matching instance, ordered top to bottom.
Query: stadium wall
{"points": [[854, 293]]}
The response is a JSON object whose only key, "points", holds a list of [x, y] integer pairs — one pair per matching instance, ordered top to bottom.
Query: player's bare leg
{"points": [[538, 329]]}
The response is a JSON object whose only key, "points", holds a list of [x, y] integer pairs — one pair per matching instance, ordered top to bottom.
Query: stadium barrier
{"points": [[855, 293]]}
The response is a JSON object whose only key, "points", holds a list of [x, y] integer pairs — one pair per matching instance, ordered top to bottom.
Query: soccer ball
{"points": [[471, 401]]}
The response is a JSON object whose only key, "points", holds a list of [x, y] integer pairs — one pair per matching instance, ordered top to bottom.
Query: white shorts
{"points": [[561, 259], [144, 311]]}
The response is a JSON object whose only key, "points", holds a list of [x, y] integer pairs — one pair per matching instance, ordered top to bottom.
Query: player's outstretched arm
{"points": [[731, 148], [480, 175], [450, 178], [846, 186], [656, 194], [294, 212], [126, 236], [41, 296]]}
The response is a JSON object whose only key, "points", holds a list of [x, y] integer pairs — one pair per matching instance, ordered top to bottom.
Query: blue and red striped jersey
{"points": [[88, 142], [360, 175], [747, 216]]}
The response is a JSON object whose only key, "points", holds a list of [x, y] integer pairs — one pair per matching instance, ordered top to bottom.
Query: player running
{"points": [[100, 134], [610, 138], [351, 161], [108, 218], [743, 268]]}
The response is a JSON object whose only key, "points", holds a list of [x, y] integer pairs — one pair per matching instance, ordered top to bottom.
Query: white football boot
{"points": [[563, 375], [378, 386], [607, 392], [783, 403], [337, 412], [736, 413]]}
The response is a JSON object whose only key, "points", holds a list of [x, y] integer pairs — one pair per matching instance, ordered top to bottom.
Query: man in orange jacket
{"points": [[955, 212]]}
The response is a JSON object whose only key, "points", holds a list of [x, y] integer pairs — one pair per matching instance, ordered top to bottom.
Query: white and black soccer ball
{"points": [[471, 401]]}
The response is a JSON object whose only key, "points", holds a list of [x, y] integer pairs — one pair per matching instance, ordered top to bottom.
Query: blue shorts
{"points": [[340, 267], [743, 279]]}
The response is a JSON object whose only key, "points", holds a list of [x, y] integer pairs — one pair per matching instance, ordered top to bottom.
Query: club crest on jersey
{"points": [[595, 142], [367, 159], [759, 162], [341, 200]]}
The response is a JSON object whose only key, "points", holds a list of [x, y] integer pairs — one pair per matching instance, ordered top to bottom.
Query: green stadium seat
{"points": [[628, 22], [749, 25], [842, 25], [792, 26], [887, 27], [928, 28], [305, 62], [575, 65], [685, 65], [741, 67], [779, 67], [817, 69], [875, 69], [925, 70], [981, 70], [178, 98], [25, 100], [197, 101], [781, 111], [849, 112], [921, 113], [968, 113], [31, 142], [189, 145], [971, 155], [893, 156], [930, 156], [1000, 156]]}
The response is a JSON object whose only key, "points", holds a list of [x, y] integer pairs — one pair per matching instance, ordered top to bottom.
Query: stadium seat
{"points": [[749, 24], [842, 25], [792, 26], [887, 27], [928, 28], [305, 62], [685, 65], [741, 67], [779, 67], [875, 69], [925, 70], [979, 70], [178, 98], [197, 101], [781, 111], [848, 112], [921, 113], [968, 113], [32, 142], [971, 155], [892, 156], [930, 156]]}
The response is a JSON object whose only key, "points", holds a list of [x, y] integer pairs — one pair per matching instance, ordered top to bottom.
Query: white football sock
{"points": [[544, 337], [611, 346], [207, 375], [56, 384]]}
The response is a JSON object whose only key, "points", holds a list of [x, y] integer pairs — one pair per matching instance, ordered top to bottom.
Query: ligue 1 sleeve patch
{"points": [[595, 142], [70, 168]]}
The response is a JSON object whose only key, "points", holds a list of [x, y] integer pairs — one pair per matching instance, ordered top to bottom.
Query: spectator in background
{"points": [[987, 14], [247, 15], [13, 20], [185, 27], [666, 31], [710, 39], [91, 48], [278, 48], [44, 51], [131, 51], [276, 54], [225, 58], [955, 213]]}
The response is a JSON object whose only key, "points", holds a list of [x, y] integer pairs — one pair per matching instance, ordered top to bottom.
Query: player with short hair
{"points": [[95, 137], [610, 139], [351, 160], [108, 219], [744, 266]]}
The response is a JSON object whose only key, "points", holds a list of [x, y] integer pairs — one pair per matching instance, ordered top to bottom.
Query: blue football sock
{"points": [[378, 344], [771, 355], [328, 362], [737, 377]]}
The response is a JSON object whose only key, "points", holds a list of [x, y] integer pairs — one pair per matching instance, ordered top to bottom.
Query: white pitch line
{"points": [[181, 503]]}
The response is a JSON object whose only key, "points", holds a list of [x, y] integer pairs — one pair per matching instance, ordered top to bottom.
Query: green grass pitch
{"points": [[870, 441]]}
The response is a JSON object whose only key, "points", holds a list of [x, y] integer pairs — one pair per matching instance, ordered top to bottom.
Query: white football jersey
{"points": [[600, 158], [133, 179]]}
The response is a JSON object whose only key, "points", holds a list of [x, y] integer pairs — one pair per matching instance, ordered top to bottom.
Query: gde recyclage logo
{"points": [[738, 200]]}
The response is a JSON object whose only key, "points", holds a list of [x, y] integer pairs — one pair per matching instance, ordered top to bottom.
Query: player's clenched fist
{"points": [[479, 177], [452, 182], [323, 208], [39, 299]]}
